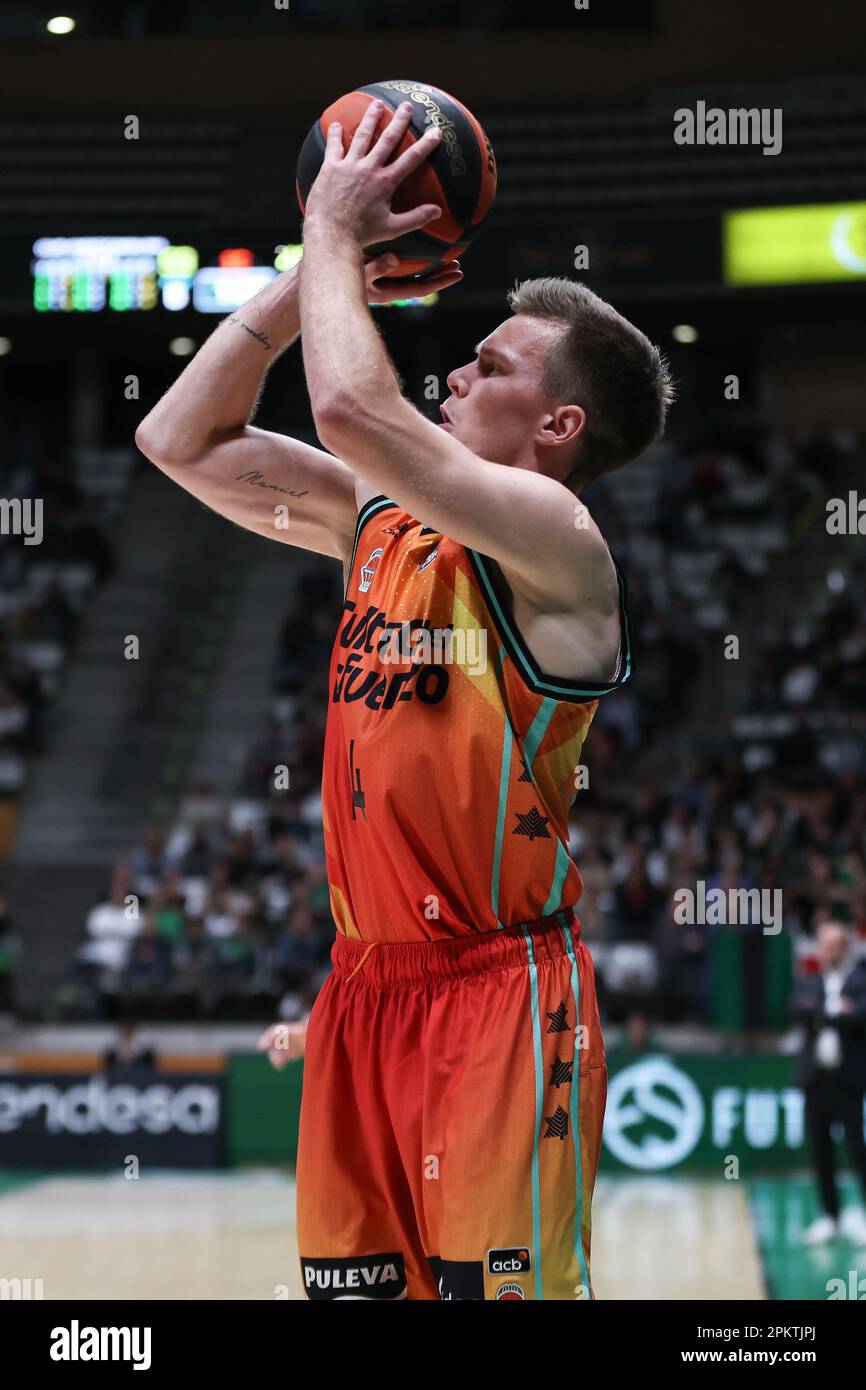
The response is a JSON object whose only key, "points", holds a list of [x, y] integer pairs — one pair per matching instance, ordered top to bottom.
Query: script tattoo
{"points": [[253, 332], [256, 480]]}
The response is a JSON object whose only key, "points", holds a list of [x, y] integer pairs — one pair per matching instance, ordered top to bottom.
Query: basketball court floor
{"points": [[231, 1236]]}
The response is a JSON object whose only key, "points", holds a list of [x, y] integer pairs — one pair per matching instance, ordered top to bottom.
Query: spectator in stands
{"points": [[149, 862], [113, 924], [149, 958], [638, 1038], [128, 1052]]}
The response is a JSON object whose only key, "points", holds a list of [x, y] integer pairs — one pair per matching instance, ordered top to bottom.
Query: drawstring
{"points": [[363, 958]]}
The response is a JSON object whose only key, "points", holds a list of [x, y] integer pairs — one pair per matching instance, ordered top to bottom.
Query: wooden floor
{"points": [[231, 1236], [671, 1238]]}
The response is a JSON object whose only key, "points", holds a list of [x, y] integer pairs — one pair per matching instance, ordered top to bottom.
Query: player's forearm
{"points": [[346, 364], [216, 394]]}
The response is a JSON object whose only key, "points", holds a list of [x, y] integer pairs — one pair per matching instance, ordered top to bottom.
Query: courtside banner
{"points": [[667, 1111], [102, 1119]]}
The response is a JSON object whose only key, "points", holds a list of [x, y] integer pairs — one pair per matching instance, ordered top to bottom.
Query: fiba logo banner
{"points": [[653, 1090]]}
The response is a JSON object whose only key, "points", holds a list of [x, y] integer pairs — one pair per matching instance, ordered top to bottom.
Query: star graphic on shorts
{"points": [[533, 824], [558, 1019], [560, 1072], [557, 1124]]}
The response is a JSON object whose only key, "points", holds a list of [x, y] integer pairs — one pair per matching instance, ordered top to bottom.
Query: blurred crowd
{"points": [[42, 587], [227, 914]]}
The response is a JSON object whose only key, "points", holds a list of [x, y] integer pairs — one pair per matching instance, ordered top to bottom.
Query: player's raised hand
{"points": [[354, 187]]}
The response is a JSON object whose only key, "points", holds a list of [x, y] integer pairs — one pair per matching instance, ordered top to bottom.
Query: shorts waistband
{"points": [[387, 962]]}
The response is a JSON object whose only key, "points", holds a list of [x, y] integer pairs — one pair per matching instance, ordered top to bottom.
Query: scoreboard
{"points": [[87, 274]]}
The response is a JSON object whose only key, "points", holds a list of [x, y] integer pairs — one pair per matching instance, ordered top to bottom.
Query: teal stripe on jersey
{"points": [[537, 730], [532, 743], [560, 869], [539, 1106], [574, 1106]]}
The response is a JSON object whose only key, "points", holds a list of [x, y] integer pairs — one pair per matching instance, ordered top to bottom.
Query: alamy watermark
{"points": [[712, 125], [22, 516], [411, 642], [724, 907]]}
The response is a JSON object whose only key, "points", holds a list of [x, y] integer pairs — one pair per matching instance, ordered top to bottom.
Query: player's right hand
{"points": [[388, 290], [283, 1042]]}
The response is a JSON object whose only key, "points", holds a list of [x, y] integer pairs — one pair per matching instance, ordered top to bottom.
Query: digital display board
{"points": [[811, 244], [88, 274], [220, 289]]}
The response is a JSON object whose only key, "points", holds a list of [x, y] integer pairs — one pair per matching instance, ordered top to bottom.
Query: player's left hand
{"points": [[354, 188], [381, 290], [283, 1042]]}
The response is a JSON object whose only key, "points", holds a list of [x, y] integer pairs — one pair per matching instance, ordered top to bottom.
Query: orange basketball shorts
{"points": [[451, 1119]]}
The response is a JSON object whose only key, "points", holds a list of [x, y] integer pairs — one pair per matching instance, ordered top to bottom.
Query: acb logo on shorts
{"points": [[516, 1261]]}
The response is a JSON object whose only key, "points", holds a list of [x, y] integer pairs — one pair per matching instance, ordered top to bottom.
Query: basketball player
{"points": [[455, 1076]]}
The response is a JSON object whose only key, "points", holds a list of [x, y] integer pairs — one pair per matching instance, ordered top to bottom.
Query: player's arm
{"points": [[201, 436], [530, 524]]}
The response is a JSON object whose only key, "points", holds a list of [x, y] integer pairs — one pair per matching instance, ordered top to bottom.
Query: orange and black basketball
{"points": [[460, 175]]}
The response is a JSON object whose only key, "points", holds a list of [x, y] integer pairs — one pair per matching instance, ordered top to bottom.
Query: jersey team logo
{"points": [[368, 570], [510, 1291]]}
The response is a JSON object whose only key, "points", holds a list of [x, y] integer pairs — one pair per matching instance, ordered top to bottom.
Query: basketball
{"points": [[460, 175]]}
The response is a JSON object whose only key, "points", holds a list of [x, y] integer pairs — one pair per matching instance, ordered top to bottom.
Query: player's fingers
{"points": [[393, 133], [363, 137], [334, 141], [415, 155], [400, 222], [380, 265], [436, 283], [267, 1038]]}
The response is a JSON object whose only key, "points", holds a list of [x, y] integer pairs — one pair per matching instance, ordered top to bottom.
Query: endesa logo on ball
{"points": [[516, 1261]]}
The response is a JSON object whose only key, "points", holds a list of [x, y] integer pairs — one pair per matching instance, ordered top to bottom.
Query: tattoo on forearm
{"points": [[253, 332], [255, 479]]}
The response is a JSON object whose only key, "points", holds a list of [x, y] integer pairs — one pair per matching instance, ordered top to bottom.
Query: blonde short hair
{"points": [[603, 363]]}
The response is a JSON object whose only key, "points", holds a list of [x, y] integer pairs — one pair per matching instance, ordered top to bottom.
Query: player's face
{"points": [[496, 404]]}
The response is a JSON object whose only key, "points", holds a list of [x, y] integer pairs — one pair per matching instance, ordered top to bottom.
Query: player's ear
{"points": [[569, 423], [561, 431]]}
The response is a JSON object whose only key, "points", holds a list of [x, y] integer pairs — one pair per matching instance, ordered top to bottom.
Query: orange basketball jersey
{"points": [[450, 759]]}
